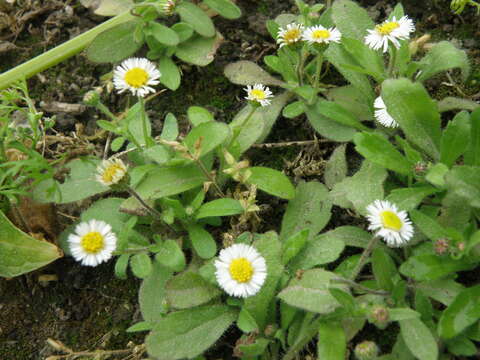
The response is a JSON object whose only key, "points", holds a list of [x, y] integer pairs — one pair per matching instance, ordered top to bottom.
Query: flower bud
{"points": [[91, 98], [441, 246], [379, 316], [366, 350]]}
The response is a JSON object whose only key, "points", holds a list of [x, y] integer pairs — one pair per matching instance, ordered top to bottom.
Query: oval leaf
{"points": [[272, 181]]}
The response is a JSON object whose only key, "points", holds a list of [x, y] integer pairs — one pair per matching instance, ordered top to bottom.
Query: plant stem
{"points": [[59, 53], [392, 61], [301, 65], [318, 70], [238, 129], [148, 141], [209, 176], [150, 209], [363, 258], [360, 287]]}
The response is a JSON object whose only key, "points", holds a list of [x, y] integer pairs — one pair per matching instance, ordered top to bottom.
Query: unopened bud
{"points": [[165, 7], [91, 98], [420, 168], [441, 246], [461, 246], [379, 316], [366, 350]]}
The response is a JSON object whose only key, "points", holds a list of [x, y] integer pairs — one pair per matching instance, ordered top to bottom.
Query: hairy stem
{"points": [[363, 258]]}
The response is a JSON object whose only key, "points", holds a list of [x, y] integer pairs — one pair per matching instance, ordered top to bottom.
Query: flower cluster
{"points": [[318, 34]]}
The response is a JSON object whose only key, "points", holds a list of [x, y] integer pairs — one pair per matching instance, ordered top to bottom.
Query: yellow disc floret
{"points": [[388, 27], [320, 34], [292, 35], [136, 77], [258, 94], [110, 172], [390, 220], [92, 242], [241, 270]]}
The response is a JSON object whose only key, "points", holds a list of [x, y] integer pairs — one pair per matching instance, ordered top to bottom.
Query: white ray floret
{"points": [[390, 31], [290, 34], [321, 35], [136, 75], [259, 93], [382, 115], [111, 171], [389, 223], [92, 243], [241, 270]]}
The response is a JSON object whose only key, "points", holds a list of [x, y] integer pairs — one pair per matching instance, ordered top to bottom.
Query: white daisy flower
{"points": [[167, 6], [390, 30], [290, 34], [320, 35], [136, 75], [259, 93], [382, 115], [110, 172], [392, 225], [92, 243], [241, 270]]}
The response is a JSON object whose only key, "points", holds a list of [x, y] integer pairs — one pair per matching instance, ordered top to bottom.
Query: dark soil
{"points": [[89, 309]]}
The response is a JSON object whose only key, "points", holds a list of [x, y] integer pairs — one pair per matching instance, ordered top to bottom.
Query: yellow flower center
{"points": [[387, 28], [320, 34], [292, 35], [136, 77], [258, 94], [110, 172], [390, 220], [92, 242], [241, 270]]}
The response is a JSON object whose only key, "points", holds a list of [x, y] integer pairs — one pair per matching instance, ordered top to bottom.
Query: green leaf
{"points": [[108, 7], [224, 8], [193, 15], [351, 19], [183, 30], [164, 35], [114, 44], [198, 50], [339, 57], [441, 57], [369, 59], [170, 73], [248, 73], [349, 98], [452, 103], [411, 106], [294, 109], [339, 114], [199, 115], [134, 121], [260, 123], [170, 128], [328, 128], [208, 135], [455, 138], [117, 143], [379, 150], [158, 153], [472, 156], [336, 167], [436, 175], [369, 179], [168, 181], [271, 181], [463, 182], [409, 198], [220, 207], [309, 209], [107, 210], [429, 226], [351, 236], [202, 241], [293, 245], [320, 250], [21, 253], [171, 256], [141, 265], [121, 266], [430, 267], [384, 269], [188, 290], [441, 290], [311, 292], [151, 295], [261, 306], [461, 313], [399, 314], [246, 322], [140, 326], [188, 333], [419, 339], [332, 342], [461, 346], [255, 349]]}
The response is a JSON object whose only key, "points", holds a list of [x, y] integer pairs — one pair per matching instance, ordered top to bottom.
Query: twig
{"points": [[290, 143]]}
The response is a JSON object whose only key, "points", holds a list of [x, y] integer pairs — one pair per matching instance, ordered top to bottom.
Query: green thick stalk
{"points": [[60, 53]]}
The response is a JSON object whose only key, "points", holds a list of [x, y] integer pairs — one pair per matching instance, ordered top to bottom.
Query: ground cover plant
{"points": [[374, 257]]}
